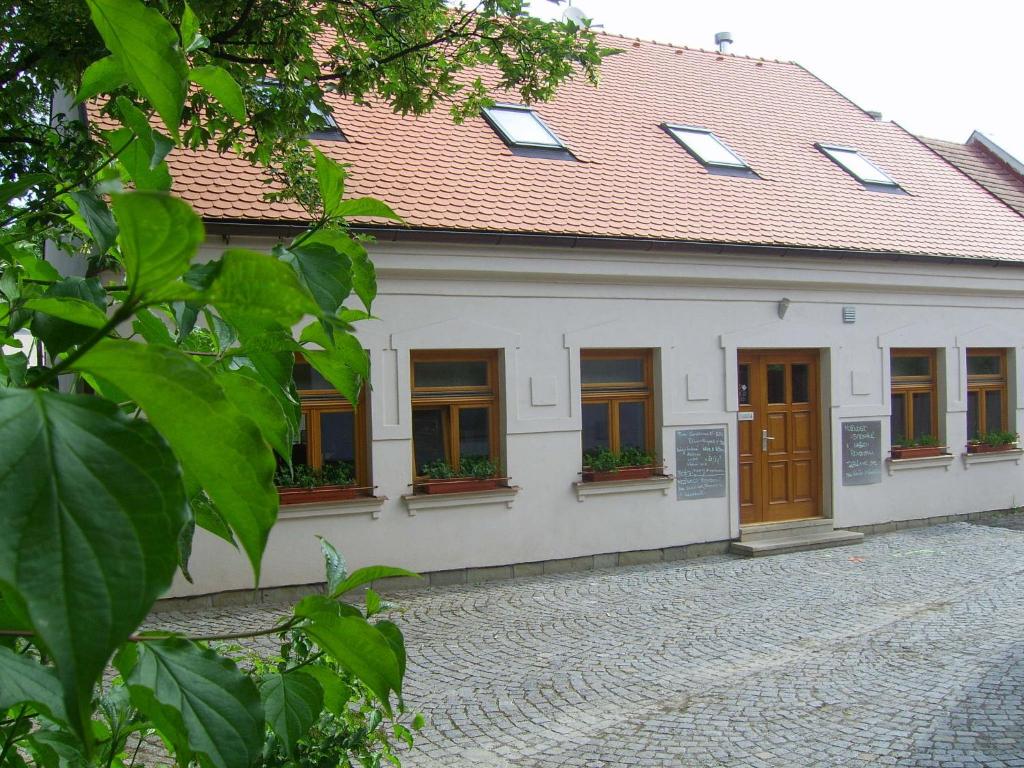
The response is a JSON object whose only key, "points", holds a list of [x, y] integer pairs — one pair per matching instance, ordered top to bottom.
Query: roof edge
{"points": [[977, 137], [281, 229]]}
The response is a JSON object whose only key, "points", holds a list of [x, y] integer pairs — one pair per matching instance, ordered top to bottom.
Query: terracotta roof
{"points": [[985, 168], [632, 180]]}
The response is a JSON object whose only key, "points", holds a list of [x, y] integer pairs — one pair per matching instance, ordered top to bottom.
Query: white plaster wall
{"points": [[541, 306]]}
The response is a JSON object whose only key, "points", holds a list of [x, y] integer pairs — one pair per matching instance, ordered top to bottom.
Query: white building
{"points": [[718, 260]]}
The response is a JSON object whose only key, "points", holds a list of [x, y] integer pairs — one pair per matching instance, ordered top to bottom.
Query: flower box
{"points": [[986, 448], [917, 451], [622, 473], [458, 485], [321, 493]]}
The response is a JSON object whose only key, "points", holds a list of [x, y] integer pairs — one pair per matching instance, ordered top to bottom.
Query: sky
{"points": [[939, 69]]}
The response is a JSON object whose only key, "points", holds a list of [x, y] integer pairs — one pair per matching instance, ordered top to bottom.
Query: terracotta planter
{"points": [[985, 448], [917, 451], [622, 473], [458, 485], [313, 495]]}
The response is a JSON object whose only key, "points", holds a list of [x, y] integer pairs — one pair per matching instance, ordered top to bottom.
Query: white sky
{"points": [[939, 68]]}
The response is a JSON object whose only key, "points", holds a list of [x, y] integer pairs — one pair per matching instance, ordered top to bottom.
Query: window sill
{"points": [[1013, 455], [944, 460], [661, 483], [418, 502], [332, 507]]}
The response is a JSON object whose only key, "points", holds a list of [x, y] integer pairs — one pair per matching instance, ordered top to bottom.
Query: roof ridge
{"points": [[695, 49]]}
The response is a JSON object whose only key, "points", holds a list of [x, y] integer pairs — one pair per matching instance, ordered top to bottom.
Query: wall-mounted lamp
{"points": [[784, 307]]}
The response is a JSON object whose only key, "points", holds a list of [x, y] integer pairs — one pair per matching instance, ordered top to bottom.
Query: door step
{"points": [[792, 536]]}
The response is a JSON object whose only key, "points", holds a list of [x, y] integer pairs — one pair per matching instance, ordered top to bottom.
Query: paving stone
{"points": [[641, 557], [448, 578], [903, 651]]}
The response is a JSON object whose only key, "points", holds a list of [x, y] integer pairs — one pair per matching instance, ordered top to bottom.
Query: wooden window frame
{"points": [[984, 383], [911, 385], [622, 392], [456, 399], [313, 403]]}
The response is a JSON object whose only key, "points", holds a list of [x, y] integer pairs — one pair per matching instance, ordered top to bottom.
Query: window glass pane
{"points": [[522, 126], [707, 147], [859, 166], [983, 365], [910, 366], [599, 370], [450, 373], [800, 375], [307, 377], [777, 383], [744, 393], [994, 411], [923, 415], [972, 415], [898, 422], [632, 426], [595, 427], [474, 432], [338, 437], [428, 441], [300, 448]]}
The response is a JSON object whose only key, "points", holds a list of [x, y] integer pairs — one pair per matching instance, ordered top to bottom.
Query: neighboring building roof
{"points": [[988, 164], [630, 179]]}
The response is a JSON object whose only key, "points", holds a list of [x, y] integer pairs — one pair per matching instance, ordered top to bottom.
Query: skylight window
{"points": [[323, 125], [521, 127], [706, 147], [858, 166]]}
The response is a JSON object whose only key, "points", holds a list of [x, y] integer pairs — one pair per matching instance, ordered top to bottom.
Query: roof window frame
{"points": [[333, 130], [558, 146], [740, 168], [875, 186]]}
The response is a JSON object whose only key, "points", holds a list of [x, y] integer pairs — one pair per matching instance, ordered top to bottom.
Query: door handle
{"points": [[765, 439]]}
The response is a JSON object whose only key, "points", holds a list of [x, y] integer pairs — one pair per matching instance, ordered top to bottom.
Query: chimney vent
{"points": [[723, 40], [874, 115]]}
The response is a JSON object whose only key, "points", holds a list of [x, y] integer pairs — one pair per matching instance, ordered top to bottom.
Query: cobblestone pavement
{"points": [[905, 650]]}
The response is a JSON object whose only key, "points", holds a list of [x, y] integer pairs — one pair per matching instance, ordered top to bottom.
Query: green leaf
{"points": [[189, 28], [145, 46], [102, 76], [222, 86], [152, 143], [136, 159], [330, 176], [12, 190], [366, 208], [97, 216], [159, 236], [36, 269], [325, 272], [364, 277], [261, 287], [74, 310], [152, 328], [58, 333], [342, 361], [13, 368], [252, 398], [217, 445], [91, 503], [209, 519], [334, 564], [368, 574], [373, 603], [395, 639], [361, 649], [24, 680], [336, 693], [292, 701], [209, 703]]}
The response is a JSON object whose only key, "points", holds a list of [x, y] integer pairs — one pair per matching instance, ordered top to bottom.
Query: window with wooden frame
{"points": [[986, 391], [914, 395], [618, 400], [455, 411], [332, 441]]}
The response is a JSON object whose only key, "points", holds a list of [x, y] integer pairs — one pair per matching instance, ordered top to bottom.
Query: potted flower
{"points": [[993, 442], [917, 448], [631, 464], [474, 473], [303, 484]]}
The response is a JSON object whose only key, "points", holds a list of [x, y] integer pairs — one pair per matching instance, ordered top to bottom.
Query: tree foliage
{"points": [[188, 360]]}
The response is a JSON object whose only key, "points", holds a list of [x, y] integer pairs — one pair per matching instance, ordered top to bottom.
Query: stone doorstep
{"points": [[786, 529], [799, 541]]}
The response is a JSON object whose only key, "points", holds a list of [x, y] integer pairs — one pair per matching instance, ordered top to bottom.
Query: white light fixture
{"points": [[783, 307]]}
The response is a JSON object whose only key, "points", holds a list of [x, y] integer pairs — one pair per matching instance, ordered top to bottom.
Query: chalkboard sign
{"points": [[862, 452], [700, 463]]}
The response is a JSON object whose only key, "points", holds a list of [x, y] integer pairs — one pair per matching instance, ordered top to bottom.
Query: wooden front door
{"points": [[779, 436]]}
